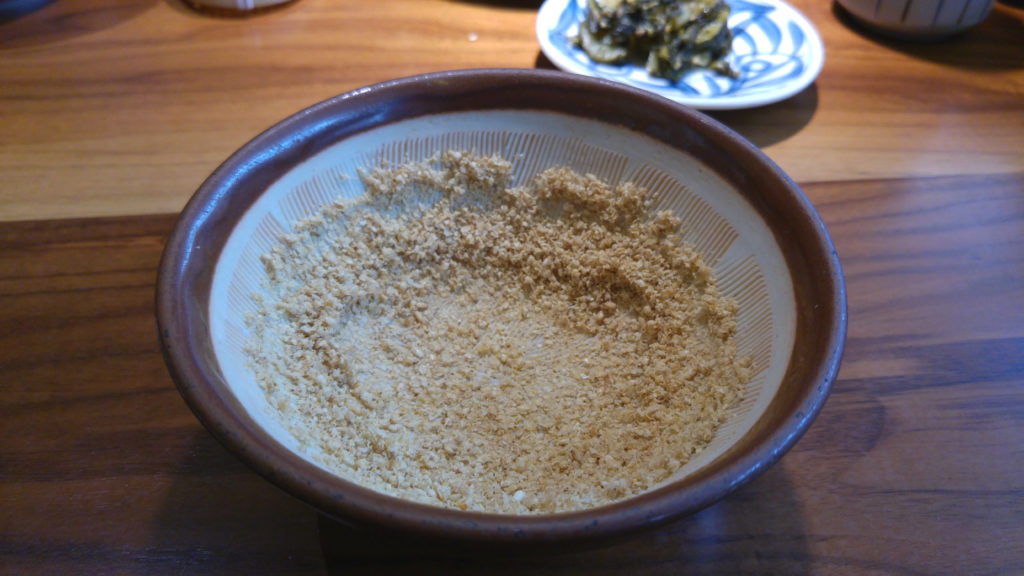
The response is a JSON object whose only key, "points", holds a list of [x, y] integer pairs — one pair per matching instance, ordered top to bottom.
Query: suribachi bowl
{"points": [[754, 226]]}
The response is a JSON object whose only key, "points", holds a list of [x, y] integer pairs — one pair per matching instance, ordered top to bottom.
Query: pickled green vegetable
{"points": [[669, 37]]}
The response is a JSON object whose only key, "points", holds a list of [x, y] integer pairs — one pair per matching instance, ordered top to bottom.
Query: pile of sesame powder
{"points": [[452, 339]]}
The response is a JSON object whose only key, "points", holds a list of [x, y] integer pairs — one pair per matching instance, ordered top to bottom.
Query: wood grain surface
{"points": [[120, 107], [112, 112], [913, 467]]}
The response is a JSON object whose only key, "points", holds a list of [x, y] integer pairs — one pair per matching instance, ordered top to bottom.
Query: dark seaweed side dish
{"points": [[668, 37]]}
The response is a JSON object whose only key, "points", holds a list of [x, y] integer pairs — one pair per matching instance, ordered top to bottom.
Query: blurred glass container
{"points": [[235, 7], [918, 19]]}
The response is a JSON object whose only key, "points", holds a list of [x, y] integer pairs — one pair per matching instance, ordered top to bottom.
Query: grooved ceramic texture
{"points": [[714, 218], [757, 230]]}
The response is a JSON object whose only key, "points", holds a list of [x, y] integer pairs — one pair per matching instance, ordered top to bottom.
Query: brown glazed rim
{"points": [[191, 253]]}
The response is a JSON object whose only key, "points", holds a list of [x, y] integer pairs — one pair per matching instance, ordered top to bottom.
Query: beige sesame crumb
{"points": [[458, 341]]}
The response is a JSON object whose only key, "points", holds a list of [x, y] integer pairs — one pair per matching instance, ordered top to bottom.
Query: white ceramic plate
{"points": [[776, 50]]}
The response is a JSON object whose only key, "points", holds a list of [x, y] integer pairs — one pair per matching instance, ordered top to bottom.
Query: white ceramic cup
{"points": [[234, 6], [921, 19]]}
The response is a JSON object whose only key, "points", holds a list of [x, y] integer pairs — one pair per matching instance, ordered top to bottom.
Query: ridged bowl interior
{"points": [[754, 227], [725, 230]]}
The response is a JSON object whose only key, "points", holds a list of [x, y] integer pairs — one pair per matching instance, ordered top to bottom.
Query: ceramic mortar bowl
{"points": [[765, 242]]}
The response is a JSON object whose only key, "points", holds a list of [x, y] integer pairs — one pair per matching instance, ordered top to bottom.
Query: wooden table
{"points": [[113, 111]]}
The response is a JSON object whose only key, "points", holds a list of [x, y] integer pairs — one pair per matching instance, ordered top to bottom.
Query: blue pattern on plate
{"points": [[763, 54]]}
